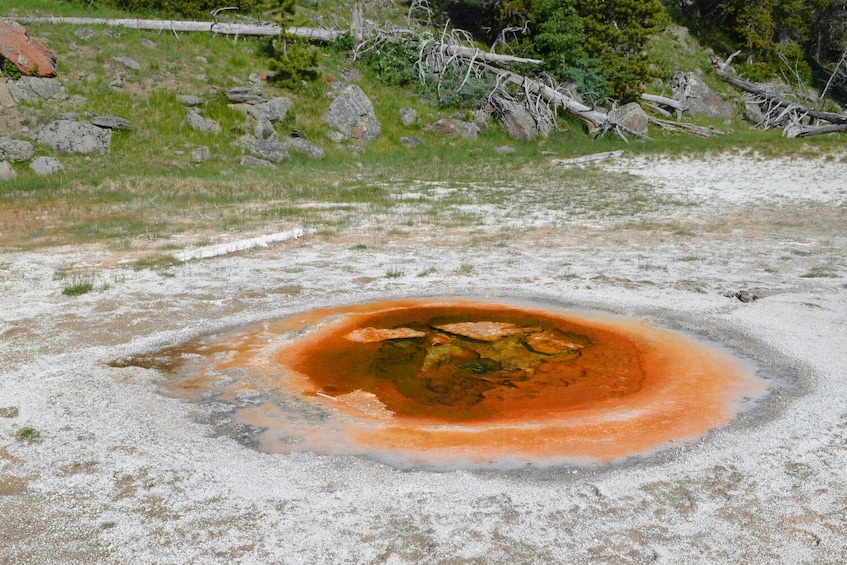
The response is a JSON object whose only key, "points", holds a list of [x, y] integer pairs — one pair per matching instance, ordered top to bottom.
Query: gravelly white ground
{"points": [[124, 474]]}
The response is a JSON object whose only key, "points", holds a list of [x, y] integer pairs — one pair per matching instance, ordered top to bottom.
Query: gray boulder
{"points": [[85, 33], [127, 62], [36, 89], [690, 89], [246, 95], [189, 100], [274, 110], [752, 111], [352, 114], [408, 115], [631, 116], [111, 122], [517, 122], [199, 123], [453, 128], [264, 129], [67, 136], [411, 142], [306, 147], [268, 149], [15, 150], [201, 154], [44, 166], [6, 171]]}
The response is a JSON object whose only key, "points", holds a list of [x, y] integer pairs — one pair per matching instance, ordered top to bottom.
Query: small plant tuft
{"points": [[394, 273], [78, 286], [29, 435]]}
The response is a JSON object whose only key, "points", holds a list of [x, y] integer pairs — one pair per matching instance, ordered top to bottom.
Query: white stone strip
{"points": [[240, 245]]}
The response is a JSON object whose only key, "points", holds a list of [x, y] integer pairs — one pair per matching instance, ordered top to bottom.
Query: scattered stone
{"points": [[112, 33], [85, 34], [149, 44], [30, 56], [127, 62], [351, 74], [254, 79], [118, 81], [36, 89], [690, 89], [246, 95], [6, 100], [189, 100], [76, 101], [274, 110], [352, 114], [408, 116], [631, 116], [483, 117], [111, 122], [517, 122], [199, 123], [444, 128], [264, 130], [67, 136], [336, 136], [412, 142], [306, 147], [269, 149], [504, 149], [15, 150], [201, 154], [250, 161], [44, 166], [6, 171], [743, 295], [485, 331], [375, 335], [367, 403], [9, 412]]}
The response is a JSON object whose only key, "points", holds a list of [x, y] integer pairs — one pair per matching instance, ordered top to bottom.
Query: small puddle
{"points": [[443, 384]]}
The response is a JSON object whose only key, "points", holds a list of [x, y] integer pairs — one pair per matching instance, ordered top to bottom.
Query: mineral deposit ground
{"points": [[100, 462]]}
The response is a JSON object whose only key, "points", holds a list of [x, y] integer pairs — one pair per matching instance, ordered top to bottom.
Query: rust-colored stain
{"points": [[449, 383]]}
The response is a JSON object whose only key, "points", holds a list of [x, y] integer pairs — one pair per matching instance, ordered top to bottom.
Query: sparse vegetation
{"points": [[394, 273], [81, 284], [28, 435]]}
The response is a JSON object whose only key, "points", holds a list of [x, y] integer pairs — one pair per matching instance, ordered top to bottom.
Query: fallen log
{"points": [[222, 28], [775, 99], [664, 101], [597, 122], [802, 130], [702, 131]]}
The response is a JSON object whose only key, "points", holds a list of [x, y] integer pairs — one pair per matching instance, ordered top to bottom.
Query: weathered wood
{"points": [[222, 28], [485, 56], [775, 99], [664, 101], [597, 121], [801, 130], [702, 131]]}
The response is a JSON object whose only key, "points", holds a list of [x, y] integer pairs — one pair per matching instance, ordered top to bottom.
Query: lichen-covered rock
{"points": [[30, 56], [128, 63], [36, 89], [690, 89], [246, 95], [189, 100], [274, 110], [352, 114], [408, 115], [631, 116], [111, 122], [517, 122], [199, 123], [453, 128], [68, 136], [412, 142], [305, 147], [268, 149], [16, 150], [200, 154], [250, 161], [44, 166], [6, 171]]}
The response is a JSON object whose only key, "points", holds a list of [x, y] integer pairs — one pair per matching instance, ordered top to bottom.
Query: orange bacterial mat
{"points": [[442, 383]]}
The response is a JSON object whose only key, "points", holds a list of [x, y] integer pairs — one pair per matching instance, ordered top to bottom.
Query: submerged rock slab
{"points": [[485, 331], [375, 335]]}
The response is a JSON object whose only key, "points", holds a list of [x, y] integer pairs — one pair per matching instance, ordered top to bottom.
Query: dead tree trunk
{"points": [[222, 28]]}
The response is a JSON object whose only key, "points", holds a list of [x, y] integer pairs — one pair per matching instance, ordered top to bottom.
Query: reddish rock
{"points": [[29, 56], [485, 331], [374, 335]]}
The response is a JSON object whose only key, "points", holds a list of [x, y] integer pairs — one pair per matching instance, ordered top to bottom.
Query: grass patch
{"points": [[156, 263], [394, 273], [820, 273], [79, 285], [28, 435]]}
